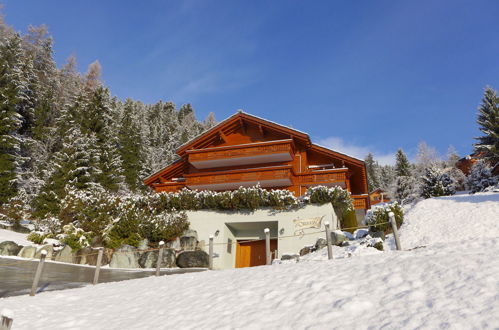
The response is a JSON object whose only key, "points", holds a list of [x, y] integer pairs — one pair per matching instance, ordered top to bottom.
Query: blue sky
{"points": [[358, 76]]}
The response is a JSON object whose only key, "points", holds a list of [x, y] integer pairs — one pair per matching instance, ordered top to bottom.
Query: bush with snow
{"points": [[480, 177], [437, 183], [377, 217]]}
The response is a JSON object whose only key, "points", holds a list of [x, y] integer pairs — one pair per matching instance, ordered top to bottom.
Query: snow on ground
{"points": [[451, 219], [8, 235], [452, 283], [424, 288]]}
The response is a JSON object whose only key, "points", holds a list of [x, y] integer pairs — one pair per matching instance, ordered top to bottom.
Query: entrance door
{"points": [[250, 254]]}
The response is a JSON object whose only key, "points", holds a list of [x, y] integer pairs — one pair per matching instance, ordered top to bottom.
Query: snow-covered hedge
{"points": [[99, 216], [377, 216]]}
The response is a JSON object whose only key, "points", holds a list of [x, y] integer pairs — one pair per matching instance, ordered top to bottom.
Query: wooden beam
{"points": [[243, 125], [262, 131], [222, 136]]}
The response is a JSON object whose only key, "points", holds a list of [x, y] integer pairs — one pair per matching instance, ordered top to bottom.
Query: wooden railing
{"points": [[243, 150], [246, 175], [329, 176], [168, 186], [360, 201]]}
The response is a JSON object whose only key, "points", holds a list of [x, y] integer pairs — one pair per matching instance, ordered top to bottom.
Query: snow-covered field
{"points": [[8, 235], [452, 283]]}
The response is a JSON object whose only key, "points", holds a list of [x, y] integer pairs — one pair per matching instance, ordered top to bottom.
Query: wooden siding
{"points": [[246, 149], [236, 151]]}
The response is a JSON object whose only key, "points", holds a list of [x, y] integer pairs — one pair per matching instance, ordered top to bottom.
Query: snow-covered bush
{"points": [[480, 177], [436, 183], [339, 197], [15, 210], [377, 217], [49, 225], [36, 237], [75, 237]]}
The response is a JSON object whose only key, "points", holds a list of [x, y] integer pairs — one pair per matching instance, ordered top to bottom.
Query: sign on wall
{"points": [[302, 224]]}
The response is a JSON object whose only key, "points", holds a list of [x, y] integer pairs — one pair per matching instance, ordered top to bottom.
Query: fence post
{"points": [[391, 215], [328, 239], [267, 246], [210, 251], [160, 257], [97, 266], [38, 273], [7, 318]]}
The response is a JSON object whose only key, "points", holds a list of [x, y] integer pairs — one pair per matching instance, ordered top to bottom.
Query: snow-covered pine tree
{"points": [[14, 102], [98, 120], [488, 122], [162, 135], [131, 147], [402, 165], [75, 166], [373, 172], [387, 177], [480, 177], [436, 183], [405, 189]]}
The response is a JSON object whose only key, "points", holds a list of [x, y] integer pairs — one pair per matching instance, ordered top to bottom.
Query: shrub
{"points": [[480, 177], [435, 183], [337, 196], [378, 215], [164, 227], [36, 237], [76, 238]]}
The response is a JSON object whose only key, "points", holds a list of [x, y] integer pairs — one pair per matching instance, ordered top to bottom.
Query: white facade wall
{"points": [[250, 225]]}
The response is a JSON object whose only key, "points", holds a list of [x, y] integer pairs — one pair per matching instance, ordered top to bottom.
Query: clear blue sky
{"points": [[356, 75]]}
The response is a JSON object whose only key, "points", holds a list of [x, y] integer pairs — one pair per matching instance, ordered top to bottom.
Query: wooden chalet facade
{"points": [[245, 150], [379, 196]]}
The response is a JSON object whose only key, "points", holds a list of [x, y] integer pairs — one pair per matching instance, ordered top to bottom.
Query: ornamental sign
{"points": [[301, 224]]}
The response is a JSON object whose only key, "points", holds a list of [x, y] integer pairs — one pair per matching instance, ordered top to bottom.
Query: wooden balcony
{"points": [[242, 154], [267, 177], [329, 178], [168, 186], [360, 201]]}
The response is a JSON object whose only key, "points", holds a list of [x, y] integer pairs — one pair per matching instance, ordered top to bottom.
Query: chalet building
{"points": [[245, 150], [379, 196]]}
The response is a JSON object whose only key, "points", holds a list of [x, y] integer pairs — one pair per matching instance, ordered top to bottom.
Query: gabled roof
{"points": [[238, 118]]}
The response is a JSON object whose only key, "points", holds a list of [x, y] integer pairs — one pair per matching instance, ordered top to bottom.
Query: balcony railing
{"points": [[242, 154], [274, 176], [333, 177], [360, 201]]}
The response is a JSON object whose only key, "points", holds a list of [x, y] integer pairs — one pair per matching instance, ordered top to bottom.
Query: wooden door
{"points": [[250, 254]]}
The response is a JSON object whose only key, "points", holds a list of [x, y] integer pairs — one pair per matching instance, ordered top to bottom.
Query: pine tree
{"points": [[13, 102], [98, 120], [488, 121], [131, 147], [402, 165], [74, 167], [373, 173], [387, 177], [480, 177], [436, 183], [404, 189]]}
